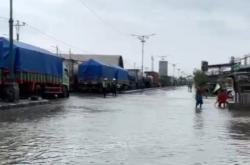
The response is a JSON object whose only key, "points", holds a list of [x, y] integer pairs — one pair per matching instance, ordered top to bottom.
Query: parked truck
{"points": [[36, 71], [92, 73]]}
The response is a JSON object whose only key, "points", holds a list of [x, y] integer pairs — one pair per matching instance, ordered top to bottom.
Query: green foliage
{"points": [[200, 78], [165, 80]]}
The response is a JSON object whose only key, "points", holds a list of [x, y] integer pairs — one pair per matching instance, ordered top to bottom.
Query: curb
{"points": [[140, 90], [23, 104]]}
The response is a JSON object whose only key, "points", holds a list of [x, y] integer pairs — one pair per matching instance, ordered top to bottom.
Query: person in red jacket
{"points": [[222, 98]]}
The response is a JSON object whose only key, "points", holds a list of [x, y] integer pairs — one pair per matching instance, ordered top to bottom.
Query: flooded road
{"points": [[152, 128]]}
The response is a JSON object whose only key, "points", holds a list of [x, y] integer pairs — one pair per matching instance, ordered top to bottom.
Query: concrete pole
{"points": [[18, 25], [142, 38], [57, 50], [11, 56], [70, 57], [142, 58], [174, 65], [11, 88]]}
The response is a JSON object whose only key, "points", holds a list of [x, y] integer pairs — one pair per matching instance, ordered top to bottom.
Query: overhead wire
{"points": [[101, 19], [49, 36], [57, 40]]}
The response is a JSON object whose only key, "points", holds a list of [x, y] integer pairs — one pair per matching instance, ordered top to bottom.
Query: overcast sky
{"points": [[188, 31]]}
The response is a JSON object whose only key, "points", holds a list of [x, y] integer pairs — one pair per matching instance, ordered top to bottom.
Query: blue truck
{"points": [[36, 71], [92, 73]]}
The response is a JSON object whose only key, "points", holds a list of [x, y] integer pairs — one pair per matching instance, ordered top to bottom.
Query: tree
{"points": [[200, 79], [165, 81]]}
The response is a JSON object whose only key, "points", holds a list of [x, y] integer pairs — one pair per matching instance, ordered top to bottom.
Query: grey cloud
{"points": [[189, 30]]}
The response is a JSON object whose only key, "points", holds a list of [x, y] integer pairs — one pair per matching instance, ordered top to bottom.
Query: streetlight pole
{"points": [[142, 38], [142, 52], [70, 54], [174, 65], [179, 72]]}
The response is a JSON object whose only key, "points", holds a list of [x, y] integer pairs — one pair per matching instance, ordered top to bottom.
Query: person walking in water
{"points": [[104, 87], [114, 87], [189, 87], [198, 98], [222, 98]]}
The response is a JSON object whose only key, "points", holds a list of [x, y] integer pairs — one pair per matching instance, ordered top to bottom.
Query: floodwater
{"points": [[159, 127]]}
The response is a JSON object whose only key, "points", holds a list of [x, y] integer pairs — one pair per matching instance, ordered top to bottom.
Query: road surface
{"points": [[152, 128]]}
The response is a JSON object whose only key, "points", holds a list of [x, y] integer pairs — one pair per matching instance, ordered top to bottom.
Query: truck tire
{"points": [[38, 90], [11, 92]]}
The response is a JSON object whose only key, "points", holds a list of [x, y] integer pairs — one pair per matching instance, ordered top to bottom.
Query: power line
{"points": [[101, 19], [50, 36], [55, 39]]}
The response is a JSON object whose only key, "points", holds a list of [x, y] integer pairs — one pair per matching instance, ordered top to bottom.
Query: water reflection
{"points": [[29, 114], [198, 120], [239, 125], [158, 127]]}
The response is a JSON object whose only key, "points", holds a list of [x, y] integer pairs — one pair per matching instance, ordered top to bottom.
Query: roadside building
{"points": [[163, 68], [215, 74], [241, 83]]}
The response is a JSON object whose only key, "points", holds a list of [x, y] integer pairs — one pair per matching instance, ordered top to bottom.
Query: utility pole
{"points": [[18, 26], [143, 39], [57, 50], [70, 54], [11, 55], [174, 65], [179, 72], [11, 87]]}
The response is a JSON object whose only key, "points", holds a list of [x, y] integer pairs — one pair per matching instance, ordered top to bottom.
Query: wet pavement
{"points": [[152, 128]]}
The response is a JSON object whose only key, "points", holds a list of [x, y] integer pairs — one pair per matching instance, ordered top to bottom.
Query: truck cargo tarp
{"points": [[4, 51], [29, 58], [93, 70], [121, 74]]}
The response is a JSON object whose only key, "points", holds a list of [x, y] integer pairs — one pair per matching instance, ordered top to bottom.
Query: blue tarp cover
{"points": [[29, 58], [93, 70], [121, 74]]}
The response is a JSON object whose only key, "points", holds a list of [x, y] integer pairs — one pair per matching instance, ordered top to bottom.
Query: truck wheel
{"points": [[38, 90], [12, 92], [65, 92]]}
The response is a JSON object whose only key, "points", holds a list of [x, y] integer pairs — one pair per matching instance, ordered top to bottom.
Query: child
{"points": [[222, 98]]}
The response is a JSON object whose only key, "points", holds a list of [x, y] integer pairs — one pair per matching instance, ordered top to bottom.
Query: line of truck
{"points": [[38, 72]]}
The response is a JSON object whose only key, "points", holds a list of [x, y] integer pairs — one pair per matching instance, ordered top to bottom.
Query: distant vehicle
{"points": [[37, 71], [91, 74]]}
